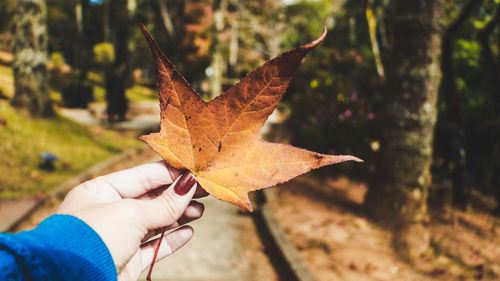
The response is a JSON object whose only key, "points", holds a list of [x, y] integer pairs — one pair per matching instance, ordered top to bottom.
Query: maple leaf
{"points": [[219, 141]]}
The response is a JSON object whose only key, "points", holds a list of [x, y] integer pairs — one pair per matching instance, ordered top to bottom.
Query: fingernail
{"points": [[184, 184]]}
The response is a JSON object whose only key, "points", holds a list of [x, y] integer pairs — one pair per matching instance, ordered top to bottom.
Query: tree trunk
{"points": [[167, 20], [83, 47], [234, 47], [30, 58], [490, 62], [217, 63], [491, 65], [118, 74], [453, 123], [398, 190]]}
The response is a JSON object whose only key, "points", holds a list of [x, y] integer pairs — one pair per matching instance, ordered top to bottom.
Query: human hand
{"points": [[128, 207]]}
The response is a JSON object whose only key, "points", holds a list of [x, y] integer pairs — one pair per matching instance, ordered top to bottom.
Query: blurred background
{"points": [[411, 87]]}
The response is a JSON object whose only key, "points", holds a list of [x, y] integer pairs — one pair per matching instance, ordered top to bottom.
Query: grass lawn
{"points": [[6, 81], [23, 139], [77, 147]]}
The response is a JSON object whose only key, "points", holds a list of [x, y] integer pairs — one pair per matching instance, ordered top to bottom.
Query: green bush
{"points": [[104, 53], [57, 60]]}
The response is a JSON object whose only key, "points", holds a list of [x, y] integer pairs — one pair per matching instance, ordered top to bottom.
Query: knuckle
{"points": [[168, 208]]}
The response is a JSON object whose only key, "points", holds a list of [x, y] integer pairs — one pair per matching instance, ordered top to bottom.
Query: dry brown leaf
{"points": [[219, 141]]}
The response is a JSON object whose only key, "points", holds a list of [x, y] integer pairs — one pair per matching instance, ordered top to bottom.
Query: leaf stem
{"points": [[148, 278]]}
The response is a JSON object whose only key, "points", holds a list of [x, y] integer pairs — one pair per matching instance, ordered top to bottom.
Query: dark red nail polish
{"points": [[184, 184]]}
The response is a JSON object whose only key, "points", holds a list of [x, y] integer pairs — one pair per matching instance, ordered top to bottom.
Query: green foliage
{"points": [[307, 20], [467, 52], [104, 53], [57, 60], [477, 91], [139, 93], [333, 101]]}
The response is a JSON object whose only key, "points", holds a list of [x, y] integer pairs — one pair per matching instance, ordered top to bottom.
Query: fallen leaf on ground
{"points": [[219, 141]]}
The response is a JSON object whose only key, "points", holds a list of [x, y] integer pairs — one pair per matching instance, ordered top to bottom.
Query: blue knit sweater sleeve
{"points": [[62, 247]]}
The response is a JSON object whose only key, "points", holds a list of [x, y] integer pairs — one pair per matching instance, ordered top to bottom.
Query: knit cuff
{"points": [[69, 248]]}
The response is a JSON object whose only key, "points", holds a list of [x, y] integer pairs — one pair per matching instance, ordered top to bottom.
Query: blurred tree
{"points": [[6, 13], [171, 18], [263, 25], [182, 29], [244, 34], [83, 44], [30, 58], [491, 64], [217, 65], [117, 74], [78, 92], [334, 101], [453, 123], [467, 139], [398, 191]]}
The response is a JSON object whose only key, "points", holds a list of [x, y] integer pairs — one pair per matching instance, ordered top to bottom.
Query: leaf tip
{"points": [[144, 30], [325, 31], [318, 40], [153, 45], [144, 138], [350, 158], [354, 158], [335, 159], [246, 203], [249, 207]]}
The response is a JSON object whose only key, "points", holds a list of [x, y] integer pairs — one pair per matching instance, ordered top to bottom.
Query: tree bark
{"points": [[172, 17], [167, 20], [234, 45], [83, 47], [30, 58], [490, 62], [217, 63], [491, 65], [118, 73], [455, 134], [398, 190]]}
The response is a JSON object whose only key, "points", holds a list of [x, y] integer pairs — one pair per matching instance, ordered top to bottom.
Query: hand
{"points": [[128, 207]]}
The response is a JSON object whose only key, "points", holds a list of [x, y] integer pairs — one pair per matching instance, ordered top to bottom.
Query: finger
{"points": [[133, 182], [200, 192], [152, 194], [168, 207], [193, 211], [152, 233], [171, 242]]}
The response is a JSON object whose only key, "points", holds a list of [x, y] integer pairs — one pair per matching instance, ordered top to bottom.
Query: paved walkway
{"points": [[143, 115], [11, 211], [226, 245], [214, 253]]}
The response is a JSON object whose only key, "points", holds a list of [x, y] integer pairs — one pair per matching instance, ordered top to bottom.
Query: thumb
{"points": [[170, 205]]}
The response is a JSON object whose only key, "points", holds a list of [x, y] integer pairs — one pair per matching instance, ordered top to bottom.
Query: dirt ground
{"points": [[324, 219]]}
